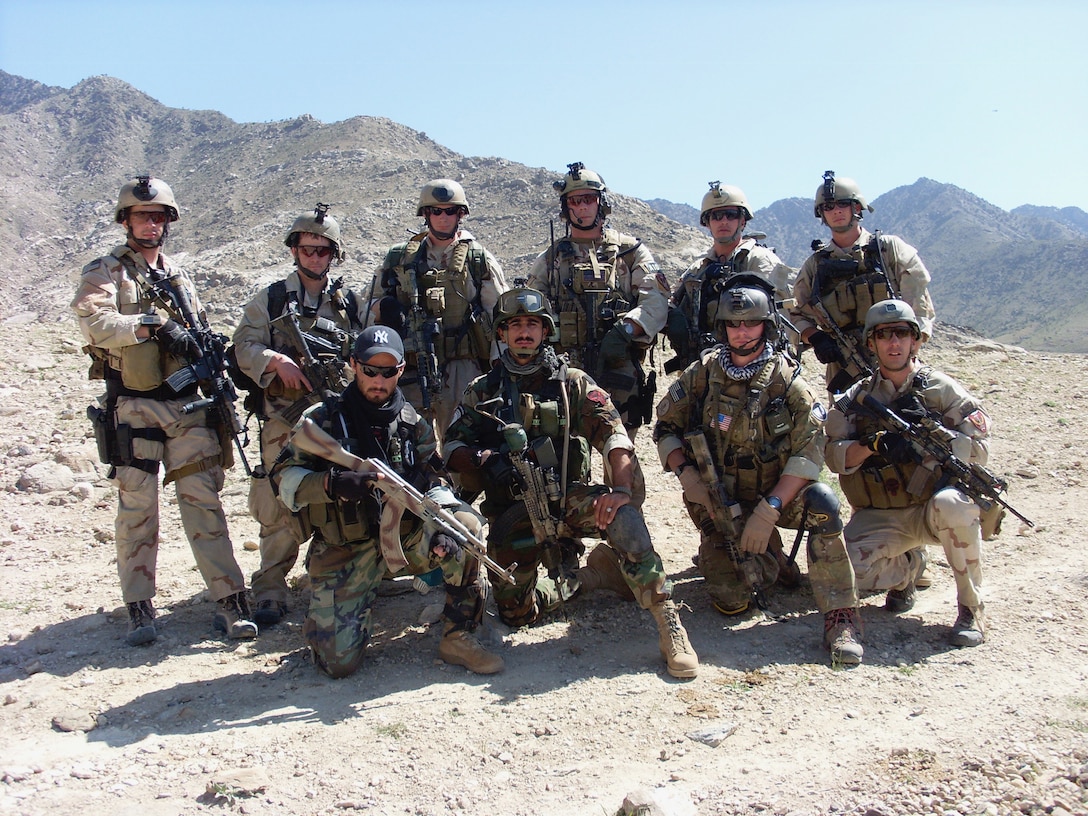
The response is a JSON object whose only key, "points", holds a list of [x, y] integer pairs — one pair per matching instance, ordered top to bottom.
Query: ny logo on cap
{"points": [[381, 336]]}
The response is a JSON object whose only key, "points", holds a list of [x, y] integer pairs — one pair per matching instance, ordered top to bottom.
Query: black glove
{"points": [[177, 341], [824, 347], [614, 353], [910, 408], [894, 447], [349, 485], [449, 546]]}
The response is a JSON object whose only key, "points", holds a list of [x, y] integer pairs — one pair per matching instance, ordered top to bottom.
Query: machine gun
{"points": [[322, 353], [209, 371], [930, 438], [398, 496], [725, 515]]}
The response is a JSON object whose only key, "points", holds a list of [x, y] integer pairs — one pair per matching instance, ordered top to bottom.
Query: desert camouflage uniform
{"points": [[625, 269], [109, 303], [256, 340], [466, 346], [594, 422], [758, 431], [889, 519], [345, 562]]}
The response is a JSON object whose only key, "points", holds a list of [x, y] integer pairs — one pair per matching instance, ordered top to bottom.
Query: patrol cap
{"points": [[891, 311], [375, 340]]}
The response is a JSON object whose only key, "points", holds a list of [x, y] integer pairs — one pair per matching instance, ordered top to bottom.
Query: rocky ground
{"points": [[585, 714]]}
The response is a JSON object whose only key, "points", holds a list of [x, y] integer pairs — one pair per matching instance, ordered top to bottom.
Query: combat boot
{"points": [[602, 571], [898, 601], [269, 613], [233, 617], [141, 623], [967, 630], [841, 637], [460, 647], [680, 657]]}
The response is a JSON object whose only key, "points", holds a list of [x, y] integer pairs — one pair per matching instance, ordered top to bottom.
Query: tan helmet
{"points": [[579, 178], [839, 189], [145, 190], [442, 193], [723, 195], [320, 223], [748, 297], [523, 301], [890, 311]]}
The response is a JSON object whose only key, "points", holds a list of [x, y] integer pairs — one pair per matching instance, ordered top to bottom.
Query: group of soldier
{"points": [[470, 392]]}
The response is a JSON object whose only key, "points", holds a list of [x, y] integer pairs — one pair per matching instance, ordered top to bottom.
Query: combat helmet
{"points": [[578, 178], [839, 189], [145, 190], [442, 193], [723, 195], [320, 223], [748, 297], [521, 300], [890, 311]]}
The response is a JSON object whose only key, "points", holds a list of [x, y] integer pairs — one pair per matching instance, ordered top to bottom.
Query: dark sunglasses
{"points": [[582, 200], [828, 206], [443, 210], [732, 213], [153, 217], [319, 251], [748, 324], [898, 332], [385, 372]]}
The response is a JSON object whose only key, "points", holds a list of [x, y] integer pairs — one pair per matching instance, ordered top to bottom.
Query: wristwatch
{"points": [[629, 327], [774, 502]]}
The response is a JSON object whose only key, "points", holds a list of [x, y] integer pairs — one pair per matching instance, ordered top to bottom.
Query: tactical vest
{"points": [[848, 287], [703, 290], [587, 292], [442, 294], [748, 424], [340, 522]]}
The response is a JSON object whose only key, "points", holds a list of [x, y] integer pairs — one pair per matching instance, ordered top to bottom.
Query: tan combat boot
{"points": [[602, 571], [233, 617], [968, 629], [841, 637], [460, 647], [680, 658]]}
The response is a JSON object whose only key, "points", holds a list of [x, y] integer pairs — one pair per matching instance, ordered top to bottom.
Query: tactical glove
{"points": [[177, 341], [824, 347], [614, 353], [910, 408], [892, 446], [349, 485], [694, 487], [757, 532], [444, 546]]}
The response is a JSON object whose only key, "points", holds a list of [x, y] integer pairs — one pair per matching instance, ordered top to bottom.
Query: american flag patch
{"points": [[676, 391], [722, 422]]}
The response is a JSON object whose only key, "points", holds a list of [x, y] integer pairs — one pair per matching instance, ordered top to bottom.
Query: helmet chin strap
{"points": [[442, 236], [143, 243], [311, 275], [751, 346]]}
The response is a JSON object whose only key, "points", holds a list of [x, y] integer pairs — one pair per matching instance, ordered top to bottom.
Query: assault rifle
{"points": [[423, 328], [322, 354], [854, 364], [209, 372], [930, 438], [398, 496], [725, 515]]}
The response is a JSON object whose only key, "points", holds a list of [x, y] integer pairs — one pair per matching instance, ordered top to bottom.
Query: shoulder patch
{"points": [[662, 281], [676, 391], [597, 396], [663, 405], [819, 413], [979, 419]]}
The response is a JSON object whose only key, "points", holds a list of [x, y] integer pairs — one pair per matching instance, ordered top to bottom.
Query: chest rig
{"points": [[849, 286], [701, 292]]}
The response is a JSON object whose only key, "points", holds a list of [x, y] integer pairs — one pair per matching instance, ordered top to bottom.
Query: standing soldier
{"points": [[726, 214], [841, 280], [440, 288], [611, 296], [136, 343], [291, 379], [526, 428], [744, 434], [899, 504], [350, 554]]}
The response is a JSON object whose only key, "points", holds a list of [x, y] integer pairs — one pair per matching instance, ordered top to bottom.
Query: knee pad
{"points": [[822, 510], [628, 533]]}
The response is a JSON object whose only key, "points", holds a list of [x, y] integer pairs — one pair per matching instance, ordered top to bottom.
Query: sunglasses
{"points": [[582, 200], [828, 206], [443, 210], [732, 213], [153, 217], [311, 251], [748, 324], [898, 332], [385, 372]]}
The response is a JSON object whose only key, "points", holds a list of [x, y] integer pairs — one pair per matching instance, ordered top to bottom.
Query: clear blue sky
{"points": [[659, 97]]}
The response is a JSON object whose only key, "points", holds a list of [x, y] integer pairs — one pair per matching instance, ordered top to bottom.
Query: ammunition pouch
{"points": [[572, 330], [141, 366], [97, 370], [991, 521]]}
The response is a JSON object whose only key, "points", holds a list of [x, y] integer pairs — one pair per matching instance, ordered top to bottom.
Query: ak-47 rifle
{"points": [[423, 328], [322, 354], [209, 372], [932, 439], [399, 496], [726, 514]]}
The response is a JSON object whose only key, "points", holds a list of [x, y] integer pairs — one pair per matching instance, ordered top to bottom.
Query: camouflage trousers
{"points": [[456, 377], [188, 442], [280, 533], [511, 541], [878, 542], [829, 569], [344, 581]]}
